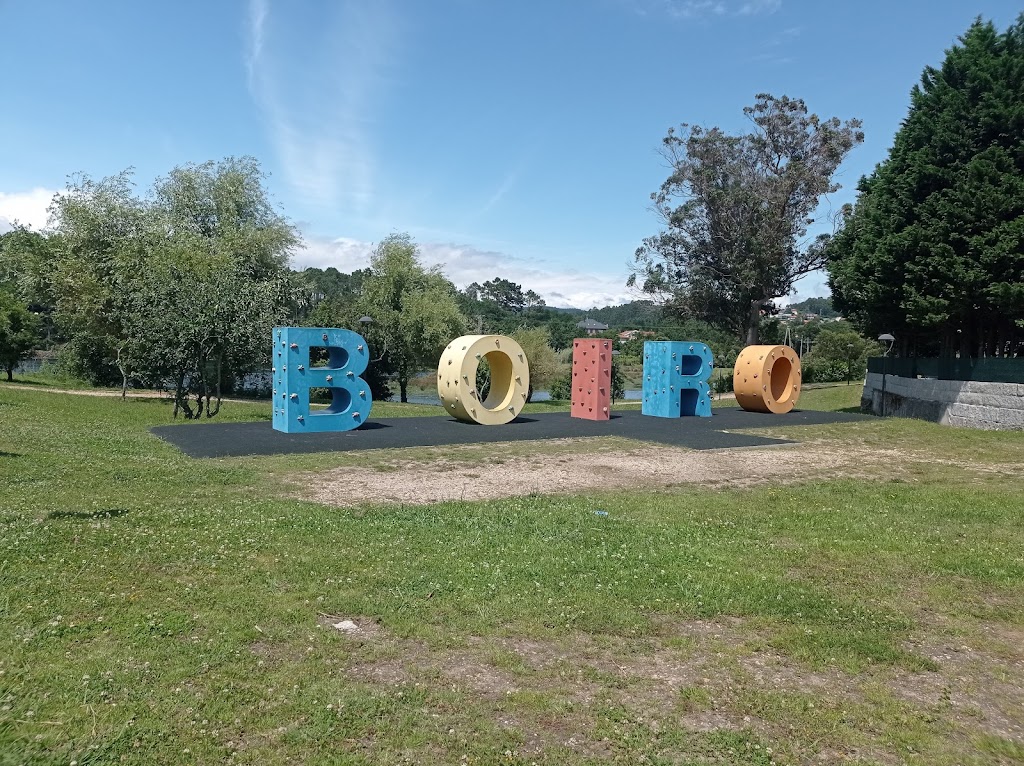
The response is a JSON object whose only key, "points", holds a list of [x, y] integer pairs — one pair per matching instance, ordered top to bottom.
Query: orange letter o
{"points": [[767, 379]]}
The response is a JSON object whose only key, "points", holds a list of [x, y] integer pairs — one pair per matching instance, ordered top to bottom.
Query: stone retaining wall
{"points": [[966, 403]]}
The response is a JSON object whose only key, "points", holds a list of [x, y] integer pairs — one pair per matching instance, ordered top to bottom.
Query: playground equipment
{"points": [[347, 357], [676, 373], [676, 377], [591, 378], [510, 379], [767, 379]]}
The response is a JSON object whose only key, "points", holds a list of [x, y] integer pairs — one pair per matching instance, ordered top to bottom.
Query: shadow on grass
{"points": [[10, 454], [110, 513]]}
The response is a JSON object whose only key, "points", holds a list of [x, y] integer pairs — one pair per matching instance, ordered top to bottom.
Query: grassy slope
{"points": [[162, 610]]}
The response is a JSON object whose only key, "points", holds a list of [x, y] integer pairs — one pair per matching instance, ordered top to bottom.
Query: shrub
{"points": [[830, 371], [561, 387]]}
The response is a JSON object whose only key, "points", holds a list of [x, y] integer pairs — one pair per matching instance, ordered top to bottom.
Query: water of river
{"points": [[538, 396]]}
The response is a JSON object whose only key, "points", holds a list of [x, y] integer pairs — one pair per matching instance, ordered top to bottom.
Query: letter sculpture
{"points": [[347, 357], [676, 377], [591, 378], [510, 379], [767, 379]]}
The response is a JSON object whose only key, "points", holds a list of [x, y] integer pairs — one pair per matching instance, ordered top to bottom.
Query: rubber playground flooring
{"points": [[259, 438]]}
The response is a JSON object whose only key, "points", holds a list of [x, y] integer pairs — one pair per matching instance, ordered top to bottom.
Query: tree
{"points": [[736, 211], [101, 238], [931, 252], [25, 265], [182, 286], [414, 309], [345, 312], [195, 320], [19, 332], [839, 342], [543, 361]]}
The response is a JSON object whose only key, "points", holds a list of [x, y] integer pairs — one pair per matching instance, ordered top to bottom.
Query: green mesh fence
{"points": [[992, 370]]}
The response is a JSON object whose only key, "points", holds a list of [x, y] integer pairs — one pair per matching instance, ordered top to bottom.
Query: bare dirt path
{"points": [[133, 393], [570, 466]]}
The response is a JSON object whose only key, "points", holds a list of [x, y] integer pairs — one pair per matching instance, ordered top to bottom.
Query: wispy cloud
{"points": [[755, 7], [689, 9], [702, 9], [258, 10], [776, 50], [319, 102], [501, 191], [25, 208], [464, 264], [813, 285]]}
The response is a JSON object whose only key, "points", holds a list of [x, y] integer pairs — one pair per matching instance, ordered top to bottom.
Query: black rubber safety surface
{"points": [[258, 438]]}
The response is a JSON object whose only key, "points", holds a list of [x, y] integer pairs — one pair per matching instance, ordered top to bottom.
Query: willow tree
{"points": [[737, 210], [180, 287], [414, 310]]}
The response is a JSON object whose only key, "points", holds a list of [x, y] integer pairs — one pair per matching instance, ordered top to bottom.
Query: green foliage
{"points": [[736, 209], [932, 250], [26, 267], [182, 286], [508, 295], [820, 306], [341, 309], [414, 310], [19, 332], [544, 364], [826, 371], [618, 382], [722, 383], [561, 387]]}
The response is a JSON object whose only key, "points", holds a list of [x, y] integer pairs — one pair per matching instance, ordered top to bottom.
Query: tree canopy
{"points": [[737, 210], [933, 250], [181, 287], [414, 309], [19, 332]]}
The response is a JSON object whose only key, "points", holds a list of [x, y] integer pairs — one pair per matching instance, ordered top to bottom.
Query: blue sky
{"points": [[514, 139]]}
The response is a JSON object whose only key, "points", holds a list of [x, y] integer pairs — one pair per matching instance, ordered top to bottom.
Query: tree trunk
{"points": [[754, 323], [10, 374], [124, 375], [403, 387], [529, 393], [209, 411]]}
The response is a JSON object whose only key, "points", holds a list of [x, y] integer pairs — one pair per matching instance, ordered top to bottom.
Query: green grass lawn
{"points": [[160, 610]]}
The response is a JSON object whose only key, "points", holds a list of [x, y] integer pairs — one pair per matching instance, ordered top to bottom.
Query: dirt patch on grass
{"points": [[578, 469], [702, 677], [976, 687]]}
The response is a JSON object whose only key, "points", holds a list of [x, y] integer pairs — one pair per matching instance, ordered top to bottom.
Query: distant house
{"points": [[592, 327], [634, 334]]}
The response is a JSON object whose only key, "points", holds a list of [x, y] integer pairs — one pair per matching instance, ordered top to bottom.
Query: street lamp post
{"points": [[888, 340]]}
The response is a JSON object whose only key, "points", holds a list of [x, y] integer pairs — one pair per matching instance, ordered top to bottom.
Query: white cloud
{"points": [[754, 7], [697, 9], [258, 10], [319, 117], [27, 208], [463, 264], [813, 285]]}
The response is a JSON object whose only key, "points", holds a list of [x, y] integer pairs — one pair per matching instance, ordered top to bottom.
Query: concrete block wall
{"points": [[964, 403]]}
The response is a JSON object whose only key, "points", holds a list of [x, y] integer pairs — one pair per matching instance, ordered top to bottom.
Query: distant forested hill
{"points": [[820, 306]]}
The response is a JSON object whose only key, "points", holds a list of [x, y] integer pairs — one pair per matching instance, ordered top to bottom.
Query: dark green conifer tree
{"points": [[933, 250]]}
